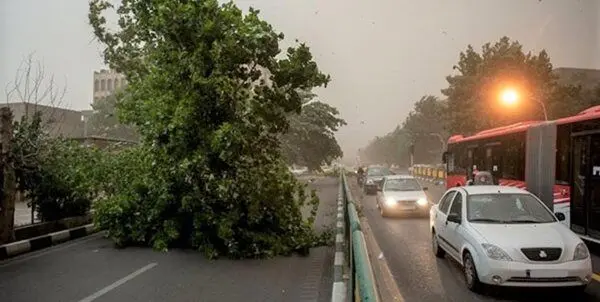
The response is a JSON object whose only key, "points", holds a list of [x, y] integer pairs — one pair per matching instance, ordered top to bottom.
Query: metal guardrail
{"points": [[433, 173], [362, 285]]}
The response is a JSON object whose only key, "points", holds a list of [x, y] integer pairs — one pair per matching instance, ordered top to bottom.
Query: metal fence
{"points": [[351, 247]]}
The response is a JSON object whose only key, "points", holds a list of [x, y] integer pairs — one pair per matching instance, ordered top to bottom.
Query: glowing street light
{"points": [[509, 97]]}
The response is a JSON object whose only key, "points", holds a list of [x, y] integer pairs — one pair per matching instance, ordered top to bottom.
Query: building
{"points": [[587, 78], [106, 82], [57, 121]]}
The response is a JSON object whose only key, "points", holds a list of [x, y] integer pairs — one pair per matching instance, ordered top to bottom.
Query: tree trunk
{"points": [[7, 178]]}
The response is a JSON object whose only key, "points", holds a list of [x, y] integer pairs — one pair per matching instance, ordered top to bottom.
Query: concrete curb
{"points": [[41, 242], [339, 284]]}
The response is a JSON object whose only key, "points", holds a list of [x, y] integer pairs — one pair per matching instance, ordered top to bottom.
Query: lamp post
{"points": [[510, 97]]}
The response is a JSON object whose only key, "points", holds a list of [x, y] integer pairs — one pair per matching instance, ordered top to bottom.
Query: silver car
{"points": [[402, 194]]}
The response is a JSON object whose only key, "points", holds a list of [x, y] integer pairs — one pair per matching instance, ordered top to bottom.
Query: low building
{"points": [[57, 121]]}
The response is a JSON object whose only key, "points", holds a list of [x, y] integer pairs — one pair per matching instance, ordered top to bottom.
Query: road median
{"points": [[20, 247]]}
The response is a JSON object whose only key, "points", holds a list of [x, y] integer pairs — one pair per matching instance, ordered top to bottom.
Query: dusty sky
{"points": [[382, 55]]}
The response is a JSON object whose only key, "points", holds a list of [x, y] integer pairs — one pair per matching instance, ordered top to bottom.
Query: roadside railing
{"points": [[434, 173], [351, 248]]}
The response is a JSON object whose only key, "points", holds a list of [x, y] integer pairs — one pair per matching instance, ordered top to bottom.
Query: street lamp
{"points": [[510, 97]]}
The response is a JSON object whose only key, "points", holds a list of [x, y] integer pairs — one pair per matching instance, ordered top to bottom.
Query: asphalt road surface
{"points": [[90, 269], [420, 276]]}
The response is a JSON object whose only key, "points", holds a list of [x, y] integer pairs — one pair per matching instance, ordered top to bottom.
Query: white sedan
{"points": [[506, 236]]}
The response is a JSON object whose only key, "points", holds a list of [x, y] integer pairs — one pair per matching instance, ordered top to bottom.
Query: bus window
{"points": [[563, 155], [513, 157], [450, 162]]}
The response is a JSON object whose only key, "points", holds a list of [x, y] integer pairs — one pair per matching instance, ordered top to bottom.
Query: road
{"points": [[90, 269], [420, 276]]}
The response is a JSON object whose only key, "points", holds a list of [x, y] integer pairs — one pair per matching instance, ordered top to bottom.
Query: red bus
{"points": [[557, 160]]}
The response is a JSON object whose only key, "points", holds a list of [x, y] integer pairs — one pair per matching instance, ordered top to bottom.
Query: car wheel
{"points": [[437, 250], [470, 272]]}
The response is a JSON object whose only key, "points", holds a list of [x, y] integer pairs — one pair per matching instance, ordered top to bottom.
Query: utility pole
{"points": [[8, 179]]}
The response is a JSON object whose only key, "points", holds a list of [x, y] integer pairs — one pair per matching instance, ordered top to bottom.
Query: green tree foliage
{"points": [[473, 94], [210, 96], [473, 97], [105, 122], [427, 124], [310, 139], [391, 148], [57, 175]]}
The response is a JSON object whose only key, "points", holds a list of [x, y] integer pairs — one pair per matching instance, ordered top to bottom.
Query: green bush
{"points": [[57, 175], [65, 184], [151, 202]]}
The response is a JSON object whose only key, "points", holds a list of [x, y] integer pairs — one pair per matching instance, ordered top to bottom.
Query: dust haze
{"points": [[382, 55]]}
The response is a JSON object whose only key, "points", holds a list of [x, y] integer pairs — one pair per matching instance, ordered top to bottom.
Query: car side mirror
{"points": [[425, 188], [560, 216], [453, 217]]}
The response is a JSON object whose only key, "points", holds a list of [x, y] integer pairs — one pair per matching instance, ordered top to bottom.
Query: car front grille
{"points": [[407, 202], [542, 253], [544, 280]]}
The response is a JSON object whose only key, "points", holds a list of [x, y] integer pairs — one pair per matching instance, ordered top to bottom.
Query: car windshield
{"points": [[377, 171], [399, 184], [507, 209]]}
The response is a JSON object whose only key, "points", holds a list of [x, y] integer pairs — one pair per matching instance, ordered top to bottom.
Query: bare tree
{"points": [[38, 92], [40, 95]]}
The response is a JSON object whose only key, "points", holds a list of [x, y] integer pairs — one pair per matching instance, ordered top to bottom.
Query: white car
{"points": [[402, 194], [506, 236]]}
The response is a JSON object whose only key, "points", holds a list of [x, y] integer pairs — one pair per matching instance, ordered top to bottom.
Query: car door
{"points": [[441, 214], [453, 232]]}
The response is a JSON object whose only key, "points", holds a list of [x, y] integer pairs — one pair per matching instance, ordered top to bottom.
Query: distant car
{"points": [[374, 177], [402, 194], [506, 236]]}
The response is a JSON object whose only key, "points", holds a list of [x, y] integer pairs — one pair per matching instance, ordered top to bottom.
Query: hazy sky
{"points": [[382, 55]]}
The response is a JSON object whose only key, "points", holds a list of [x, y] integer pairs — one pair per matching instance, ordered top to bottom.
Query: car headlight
{"points": [[390, 201], [422, 202], [495, 252], [581, 252]]}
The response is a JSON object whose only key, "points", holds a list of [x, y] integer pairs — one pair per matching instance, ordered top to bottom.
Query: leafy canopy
{"points": [[473, 95], [211, 97], [105, 122], [310, 139]]}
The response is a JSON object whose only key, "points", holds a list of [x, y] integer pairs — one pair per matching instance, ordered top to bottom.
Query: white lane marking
{"points": [[339, 238], [49, 250], [118, 283]]}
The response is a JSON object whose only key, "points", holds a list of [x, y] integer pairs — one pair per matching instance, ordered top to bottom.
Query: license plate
{"points": [[410, 208], [548, 274]]}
